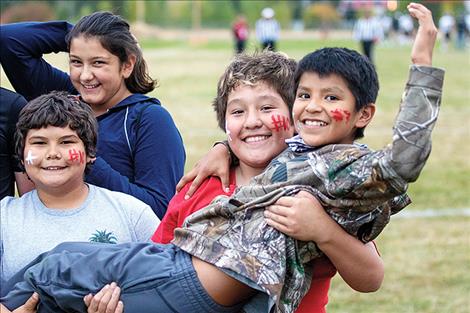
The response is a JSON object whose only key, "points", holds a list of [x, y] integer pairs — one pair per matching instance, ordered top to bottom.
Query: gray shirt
{"points": [[29, 228]]}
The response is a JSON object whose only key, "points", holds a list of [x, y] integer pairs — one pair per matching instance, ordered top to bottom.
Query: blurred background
{"points": [[187, 45]]}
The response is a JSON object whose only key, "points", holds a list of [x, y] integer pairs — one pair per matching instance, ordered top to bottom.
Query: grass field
{"points": [[427, 259]]}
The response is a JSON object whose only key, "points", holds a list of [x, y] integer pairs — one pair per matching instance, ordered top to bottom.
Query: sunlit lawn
{"points": [[427, 260]]}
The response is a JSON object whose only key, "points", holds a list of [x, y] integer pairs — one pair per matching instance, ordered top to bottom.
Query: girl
{"points": [[140, 151]]}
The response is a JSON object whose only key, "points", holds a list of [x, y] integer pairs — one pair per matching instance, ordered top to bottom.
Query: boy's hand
{"points": [[421, 53], [215, 163], [301, 217], [105, 301], [28, 307]]}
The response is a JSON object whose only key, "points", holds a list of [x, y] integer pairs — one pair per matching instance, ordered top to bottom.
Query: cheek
{"points": [[340, 115], [279, 123], [232, 128], [31, 156], [75, 156]]}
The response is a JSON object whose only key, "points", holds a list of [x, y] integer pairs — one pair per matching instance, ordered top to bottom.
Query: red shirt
{"points": [[314, 301]]}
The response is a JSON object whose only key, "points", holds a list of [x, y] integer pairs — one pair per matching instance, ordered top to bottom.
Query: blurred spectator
{"points": [[386, 22], [405, 23], [446, 27], [268, 29], [368, 31], [462, 32], [240, 33]]}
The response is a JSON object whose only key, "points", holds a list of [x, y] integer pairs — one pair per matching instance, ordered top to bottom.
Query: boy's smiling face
{"points": [[324, 110], [257, 124], [55, 158]]}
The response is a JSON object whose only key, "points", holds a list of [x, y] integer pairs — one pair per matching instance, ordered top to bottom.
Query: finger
{"points": [[188, 177], [225, 179], [195, 185], [305, 194], [285, 201], [279, 210], [280, 219], [280, 227], [87, 299], [114, 300], [95, 301], [104, 301], [32, 302], [120, 307]]}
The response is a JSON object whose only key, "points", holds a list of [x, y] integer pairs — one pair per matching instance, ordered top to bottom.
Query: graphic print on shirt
{"points": [[103, 237]]}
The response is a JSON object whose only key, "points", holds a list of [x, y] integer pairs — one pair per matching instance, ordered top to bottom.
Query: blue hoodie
{"points": [[140, 151]]}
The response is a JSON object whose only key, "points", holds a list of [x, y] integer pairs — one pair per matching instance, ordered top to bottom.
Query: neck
{"points": [[245, 173], [63, 199]]}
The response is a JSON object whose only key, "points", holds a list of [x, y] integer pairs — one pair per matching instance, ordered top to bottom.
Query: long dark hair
{"points": [[114, 34]]}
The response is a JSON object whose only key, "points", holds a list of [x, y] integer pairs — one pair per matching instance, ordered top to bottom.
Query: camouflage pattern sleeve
{"points": [[412, 130]]}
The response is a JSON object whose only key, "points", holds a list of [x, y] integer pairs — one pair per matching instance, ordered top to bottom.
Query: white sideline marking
{"points": [[432, 213]]}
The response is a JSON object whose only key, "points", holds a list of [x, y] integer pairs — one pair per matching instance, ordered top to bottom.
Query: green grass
{"points": [[427, 260]]}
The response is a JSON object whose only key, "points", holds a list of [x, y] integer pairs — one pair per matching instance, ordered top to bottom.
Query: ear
{"points": [[128, 66], [365, 115]]}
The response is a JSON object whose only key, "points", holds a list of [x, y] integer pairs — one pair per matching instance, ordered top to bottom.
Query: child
{"points": [[254, 92], [56, 141], [140, 151], [239, 249]]}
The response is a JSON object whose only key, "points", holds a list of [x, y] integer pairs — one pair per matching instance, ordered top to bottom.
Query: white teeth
{"points": [[90, 86], [314, 123], [255, 139], [53, 168]]}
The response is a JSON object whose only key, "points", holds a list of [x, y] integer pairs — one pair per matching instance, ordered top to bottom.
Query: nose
{"points": [[86, 74], [313, 106], [253, 120], [53, 153]]}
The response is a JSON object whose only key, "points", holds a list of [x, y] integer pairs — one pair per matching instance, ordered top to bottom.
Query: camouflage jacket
{"points": [[358, 188]]}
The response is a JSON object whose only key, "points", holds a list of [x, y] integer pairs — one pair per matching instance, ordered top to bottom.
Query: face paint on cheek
{"points": [[347, 114], [337, 115], [280, 122], [227, 131], [76, 156], [30, 158]]}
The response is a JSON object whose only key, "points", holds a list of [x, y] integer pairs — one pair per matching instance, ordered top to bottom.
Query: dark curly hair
{"points": [[58, 109]]}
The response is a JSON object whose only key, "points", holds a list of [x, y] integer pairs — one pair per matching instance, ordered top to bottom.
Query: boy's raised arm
{"points": [[420, 103]]}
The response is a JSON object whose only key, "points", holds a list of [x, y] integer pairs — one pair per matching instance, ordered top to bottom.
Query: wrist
{"points": [[233, 160]]}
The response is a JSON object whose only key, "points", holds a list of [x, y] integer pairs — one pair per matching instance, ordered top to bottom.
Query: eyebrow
{"points": [[93, 58], [323, 90]]}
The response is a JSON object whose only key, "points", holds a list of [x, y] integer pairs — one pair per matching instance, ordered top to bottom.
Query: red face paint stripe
{"points": [[337, 115], [280, 122], [75, 155]]}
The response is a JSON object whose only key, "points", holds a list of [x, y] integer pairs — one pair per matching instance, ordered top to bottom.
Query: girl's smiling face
{"points": [[97, 74]]}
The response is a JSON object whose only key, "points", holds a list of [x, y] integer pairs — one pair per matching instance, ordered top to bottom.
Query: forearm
{"points": [[22, 47], [412, 130], [359, 264]]}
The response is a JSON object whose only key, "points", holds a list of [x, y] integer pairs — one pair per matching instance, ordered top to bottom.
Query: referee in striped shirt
{"points": [[267, 29], [368, 31]]}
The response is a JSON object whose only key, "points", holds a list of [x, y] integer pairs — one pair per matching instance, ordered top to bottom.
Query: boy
{"points": [[253, 104], [56, 142], [232, 233]]}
